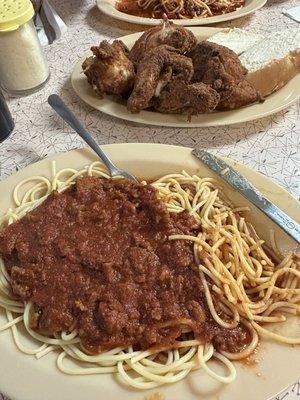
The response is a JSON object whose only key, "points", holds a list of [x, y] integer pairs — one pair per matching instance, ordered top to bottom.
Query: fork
{"points": [[66, 114]]}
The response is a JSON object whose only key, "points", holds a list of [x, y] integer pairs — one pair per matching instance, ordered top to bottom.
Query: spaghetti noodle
{"points": [[179, 9], [242, 284]]}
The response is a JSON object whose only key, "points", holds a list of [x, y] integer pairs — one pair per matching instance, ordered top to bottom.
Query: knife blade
{"points": [[55, 21], [49, 30], [43, 38], [244, 187]]}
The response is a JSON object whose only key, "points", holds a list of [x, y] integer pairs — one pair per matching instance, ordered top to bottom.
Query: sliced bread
{"points": [[237, 40], [272, 62]]}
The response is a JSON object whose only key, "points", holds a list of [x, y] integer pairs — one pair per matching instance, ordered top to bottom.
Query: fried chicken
{"points": [[169, 34], [216, 65], [159, 66], [221, 68], [109, 70], [167, 70], [239, 95], [192, 99]]}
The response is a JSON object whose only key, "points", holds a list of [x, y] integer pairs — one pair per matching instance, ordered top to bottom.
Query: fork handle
{"points": [[66, 114]]}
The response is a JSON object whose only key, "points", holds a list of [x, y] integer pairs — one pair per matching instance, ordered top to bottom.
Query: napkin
{"points": [[293, 13]]}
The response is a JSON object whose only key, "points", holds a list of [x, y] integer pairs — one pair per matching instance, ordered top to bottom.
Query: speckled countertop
{"points": [[270, 145]]}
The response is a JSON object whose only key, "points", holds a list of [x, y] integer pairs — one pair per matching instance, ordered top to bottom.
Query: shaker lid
{"points": [[14, 13]]}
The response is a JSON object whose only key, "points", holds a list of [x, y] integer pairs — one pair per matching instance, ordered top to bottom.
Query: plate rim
{"points": [[108, 8], [107, 105], [166, 146], [88, 154]]}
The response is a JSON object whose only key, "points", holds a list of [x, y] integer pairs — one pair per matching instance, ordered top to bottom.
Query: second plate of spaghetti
{"points": [[210, 12], [166, 286]]}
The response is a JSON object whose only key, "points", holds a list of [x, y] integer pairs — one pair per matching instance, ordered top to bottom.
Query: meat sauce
{"points": [[131, 7], [191, 9], [98, 257]]}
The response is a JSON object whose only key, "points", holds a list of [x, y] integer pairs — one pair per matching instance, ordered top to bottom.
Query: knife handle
{"points": [[249, 191], [286, 223], [290, 226]]}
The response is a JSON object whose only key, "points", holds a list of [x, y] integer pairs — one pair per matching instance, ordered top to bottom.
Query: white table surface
{"points": [[270, 145]]}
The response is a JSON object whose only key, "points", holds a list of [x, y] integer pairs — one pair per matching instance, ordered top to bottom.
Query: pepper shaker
{"points": [[23, 68], [6, 121]]}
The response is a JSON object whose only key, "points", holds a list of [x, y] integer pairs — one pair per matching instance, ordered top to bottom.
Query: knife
{"points": [[57, 25], [49, 30], [43, 38], [244, 187]]}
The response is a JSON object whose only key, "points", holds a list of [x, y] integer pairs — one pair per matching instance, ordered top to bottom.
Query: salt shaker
{"points": [[23, 68]]}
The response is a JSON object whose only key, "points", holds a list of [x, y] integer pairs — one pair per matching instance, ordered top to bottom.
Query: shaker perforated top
{"points": [[14, 13]]}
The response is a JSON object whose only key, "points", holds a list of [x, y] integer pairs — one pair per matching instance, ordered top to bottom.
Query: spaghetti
{"points": [[179, 9], [242, 285]]}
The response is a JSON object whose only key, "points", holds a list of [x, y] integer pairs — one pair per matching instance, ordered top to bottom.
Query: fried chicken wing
{"points": [[169, 34], [216, 65], [160, 66], [221, 68], [109, 70], [239, 95], [192, 99]]}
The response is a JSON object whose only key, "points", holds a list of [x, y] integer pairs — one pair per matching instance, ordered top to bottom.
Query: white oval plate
{"points": [[108, 7], [274, 103], [22, 377]]}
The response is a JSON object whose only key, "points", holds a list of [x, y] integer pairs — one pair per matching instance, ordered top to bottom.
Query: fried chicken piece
{"points": [[169, 34], [160, 66], [217, 66], [221, 68], [109, 70], [239, 95], [192, 99]]}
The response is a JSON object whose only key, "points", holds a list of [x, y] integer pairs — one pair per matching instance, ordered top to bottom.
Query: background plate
{"points": [[108, 8], [109, 105], [22, 377]]}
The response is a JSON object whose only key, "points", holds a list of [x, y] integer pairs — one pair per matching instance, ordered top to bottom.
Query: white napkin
{"points": [[293, 13]]}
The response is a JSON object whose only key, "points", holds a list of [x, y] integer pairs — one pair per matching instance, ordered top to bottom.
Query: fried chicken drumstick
{"points": [[159, 66], [109, 70]]}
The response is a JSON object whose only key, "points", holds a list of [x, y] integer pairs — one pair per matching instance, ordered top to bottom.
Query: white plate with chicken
{"points": [[183, 12], [174, 76]]}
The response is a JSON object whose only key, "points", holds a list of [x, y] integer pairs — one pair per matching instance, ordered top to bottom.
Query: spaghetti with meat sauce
{"points": [[178, 9], [97, 257], [145, 281]]}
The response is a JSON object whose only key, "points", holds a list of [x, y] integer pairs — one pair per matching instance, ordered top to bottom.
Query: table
{"points": [[270, 145]]}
